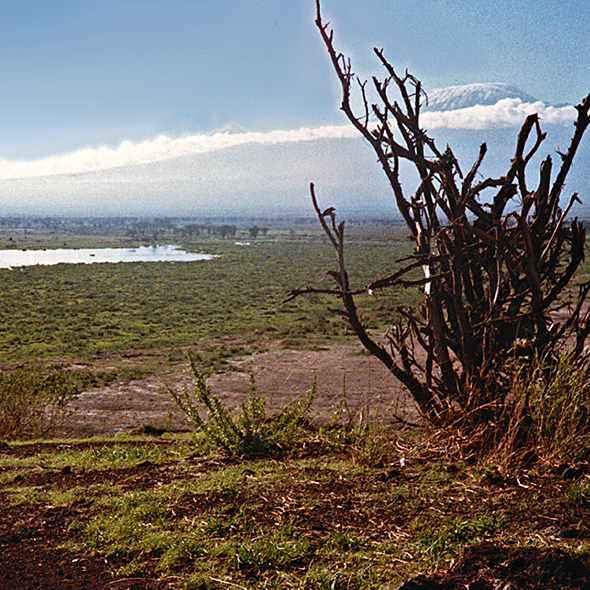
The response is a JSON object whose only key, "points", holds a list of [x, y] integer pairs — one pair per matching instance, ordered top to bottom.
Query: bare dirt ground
{"points": [[348, 380]]}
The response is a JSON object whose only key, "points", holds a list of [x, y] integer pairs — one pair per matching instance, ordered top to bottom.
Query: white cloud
{"points": [[508, 112], [160, 149]]}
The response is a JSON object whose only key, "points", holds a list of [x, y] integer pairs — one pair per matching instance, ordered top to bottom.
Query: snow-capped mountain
{"points": [[461, 97], [232, 129]]}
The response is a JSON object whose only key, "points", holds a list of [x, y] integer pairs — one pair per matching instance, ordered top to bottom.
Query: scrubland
{"points": [[341, 505]]}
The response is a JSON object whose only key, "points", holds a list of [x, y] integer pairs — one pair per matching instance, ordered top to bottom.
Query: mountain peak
{"points": [[460, 97], [232, 129]]}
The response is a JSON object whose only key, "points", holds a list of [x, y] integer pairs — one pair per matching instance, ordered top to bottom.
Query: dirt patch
{"points": [[348, 380], [376, 505], [31, 557], [487, 567]]}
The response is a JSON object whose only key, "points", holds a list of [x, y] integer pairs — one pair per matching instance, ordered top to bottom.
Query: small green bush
{"points": [[33, 401], [248, 430]]}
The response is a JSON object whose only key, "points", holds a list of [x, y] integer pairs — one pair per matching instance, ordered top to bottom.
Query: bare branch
{"points": [[494, 270]]}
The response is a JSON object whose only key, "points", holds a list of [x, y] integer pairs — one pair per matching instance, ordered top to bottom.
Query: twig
{"points": [[227, 582]]}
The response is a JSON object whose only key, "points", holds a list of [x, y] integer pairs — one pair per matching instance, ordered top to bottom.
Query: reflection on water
{"points": [[12, 258]]}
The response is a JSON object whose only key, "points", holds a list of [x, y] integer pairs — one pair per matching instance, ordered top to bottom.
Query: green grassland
{"points": [[70, 310]]}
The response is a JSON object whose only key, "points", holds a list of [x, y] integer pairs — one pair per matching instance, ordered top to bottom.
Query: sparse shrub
{"points": [[498, 260], [33, 401], [551, 404], [248, 430]]}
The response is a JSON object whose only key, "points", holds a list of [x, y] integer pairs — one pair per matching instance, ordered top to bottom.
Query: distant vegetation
{"points": [[72, 310]]}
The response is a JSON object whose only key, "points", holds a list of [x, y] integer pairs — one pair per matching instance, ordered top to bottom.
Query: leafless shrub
{"points": [[498, 258], [32, 402]]}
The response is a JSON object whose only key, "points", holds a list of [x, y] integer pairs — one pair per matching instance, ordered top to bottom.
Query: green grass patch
{"points": [[317, 518]]}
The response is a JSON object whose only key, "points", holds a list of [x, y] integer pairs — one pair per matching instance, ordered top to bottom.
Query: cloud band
{"points": [[508, 112], [505, 113]]}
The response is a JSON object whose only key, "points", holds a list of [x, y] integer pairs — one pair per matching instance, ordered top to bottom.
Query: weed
{"points": [[555, 398], [33, 401], [560, 404], [251, 431], [123, 455], [579, 492], [26, 495], [61, 497], [137, 519], [220, 524], [347, 540], [281, 549], [325, 579]]}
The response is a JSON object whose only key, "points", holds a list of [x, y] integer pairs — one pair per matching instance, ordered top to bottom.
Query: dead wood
{"points": [[498, 256]]}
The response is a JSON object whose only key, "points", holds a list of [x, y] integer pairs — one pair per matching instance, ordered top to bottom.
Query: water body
{"points": [[15, 258]]}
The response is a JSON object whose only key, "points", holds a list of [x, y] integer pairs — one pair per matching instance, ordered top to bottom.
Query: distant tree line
{"points": [[152, 230]]}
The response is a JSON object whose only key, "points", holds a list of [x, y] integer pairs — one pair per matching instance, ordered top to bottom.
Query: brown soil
{"points": [[347, 379], [31, 534], [486, 567]]}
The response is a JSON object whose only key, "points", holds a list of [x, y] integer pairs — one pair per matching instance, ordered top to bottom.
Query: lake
{"points": [[15, 258]]}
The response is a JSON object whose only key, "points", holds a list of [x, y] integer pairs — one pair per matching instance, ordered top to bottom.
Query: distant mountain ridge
{"points": [[460, 97]]}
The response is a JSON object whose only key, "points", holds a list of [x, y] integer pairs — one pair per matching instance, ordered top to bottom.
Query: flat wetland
{"points": [[77, 309], [123, 494]]}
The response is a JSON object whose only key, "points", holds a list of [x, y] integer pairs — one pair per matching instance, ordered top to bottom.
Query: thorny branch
{"points": [[498, 258]]}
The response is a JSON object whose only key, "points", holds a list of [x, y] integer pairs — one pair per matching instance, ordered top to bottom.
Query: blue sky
{"points": [[80, 74]]}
